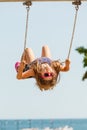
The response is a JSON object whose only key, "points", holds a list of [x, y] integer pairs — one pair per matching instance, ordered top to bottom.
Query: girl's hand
{"points": [[67, 61], [22, 64], [65, 67]]}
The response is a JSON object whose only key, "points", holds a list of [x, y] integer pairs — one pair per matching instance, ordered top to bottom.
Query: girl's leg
{"points": [[46, 51], [29, 55]]}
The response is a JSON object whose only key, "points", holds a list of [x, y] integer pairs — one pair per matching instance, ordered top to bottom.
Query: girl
{"points": [[43, 69]]}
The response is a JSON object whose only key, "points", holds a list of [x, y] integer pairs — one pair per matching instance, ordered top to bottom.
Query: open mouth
{"points": [[46, 75]]}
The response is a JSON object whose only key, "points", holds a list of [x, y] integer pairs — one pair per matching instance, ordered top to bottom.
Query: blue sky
{"points": [[50, 23]]}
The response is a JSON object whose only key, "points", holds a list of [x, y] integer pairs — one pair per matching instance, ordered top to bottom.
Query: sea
{"points": [[44, 124]]}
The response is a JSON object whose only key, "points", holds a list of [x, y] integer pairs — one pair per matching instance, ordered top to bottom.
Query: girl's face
{"points": [[47, 72]]}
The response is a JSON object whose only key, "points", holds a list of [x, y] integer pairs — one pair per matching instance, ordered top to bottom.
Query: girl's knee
{"points": [[45, 47], [28, 50]]}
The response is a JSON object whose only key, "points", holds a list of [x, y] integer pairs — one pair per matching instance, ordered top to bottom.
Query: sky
{"points": [[50, 23]]}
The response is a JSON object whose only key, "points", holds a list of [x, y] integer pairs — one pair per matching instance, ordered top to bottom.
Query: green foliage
{"points": [[82, 50], [85, 61], [84, 76]]}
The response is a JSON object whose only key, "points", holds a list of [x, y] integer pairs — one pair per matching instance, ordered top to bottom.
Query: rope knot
{"points": [[77, 2], [27, 3]]}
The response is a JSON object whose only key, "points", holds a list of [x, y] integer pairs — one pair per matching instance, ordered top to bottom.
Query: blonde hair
{"points": [[41, 82]]}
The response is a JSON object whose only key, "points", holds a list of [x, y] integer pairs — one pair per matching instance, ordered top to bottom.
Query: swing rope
{"points": [[29, 3], [27, 19], [74, 26]]}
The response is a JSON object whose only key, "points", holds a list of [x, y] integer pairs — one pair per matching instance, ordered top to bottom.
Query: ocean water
{"points": [[44, 124]]}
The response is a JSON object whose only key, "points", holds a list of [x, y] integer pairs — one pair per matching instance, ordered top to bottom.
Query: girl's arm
{"points": [[65, 67], [26, 74]]}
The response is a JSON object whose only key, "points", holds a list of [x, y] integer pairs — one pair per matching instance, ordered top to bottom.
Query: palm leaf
{"points": [[82, 50], [85, 61], [84, 76]]}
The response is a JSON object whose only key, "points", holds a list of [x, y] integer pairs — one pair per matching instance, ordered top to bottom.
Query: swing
{"points": [[76, 3], [28, 4], [46, 80]]}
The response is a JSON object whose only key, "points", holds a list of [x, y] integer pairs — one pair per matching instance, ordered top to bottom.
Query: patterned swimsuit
{"points": [[40, 60]]}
